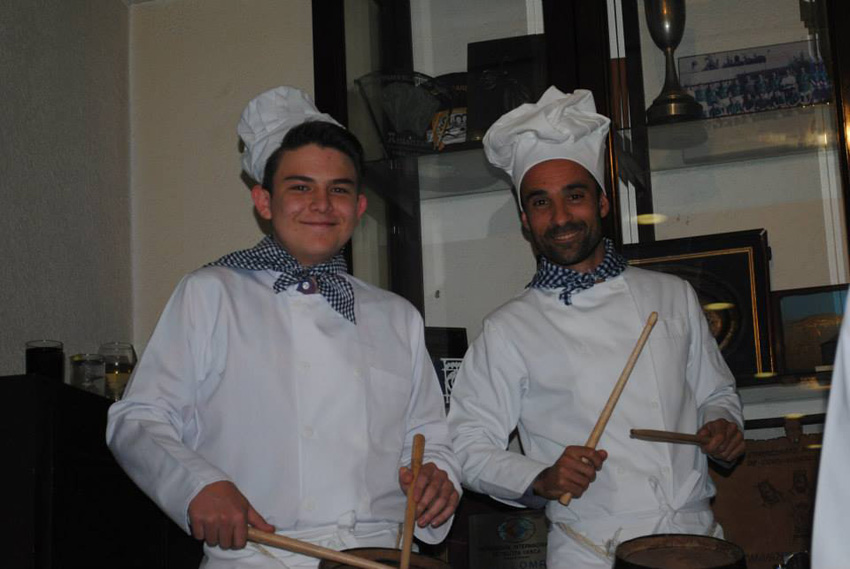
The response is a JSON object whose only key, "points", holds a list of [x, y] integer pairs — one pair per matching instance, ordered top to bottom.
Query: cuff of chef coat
{"points": [[715, 413], [514, 480], [532, 500], [185, 521], [434, 535]]}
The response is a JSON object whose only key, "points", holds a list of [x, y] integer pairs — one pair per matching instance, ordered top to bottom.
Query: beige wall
{"points": [[194, 65], [64, 188], [98, 224]]}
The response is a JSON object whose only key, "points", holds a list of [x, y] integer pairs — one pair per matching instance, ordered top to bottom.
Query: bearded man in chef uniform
{"points": [[547, 360], [278, 391]]}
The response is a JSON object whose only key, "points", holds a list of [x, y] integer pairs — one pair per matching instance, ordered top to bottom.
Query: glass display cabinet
{"points": [[423, 80], [739, 185], [745, 197]]}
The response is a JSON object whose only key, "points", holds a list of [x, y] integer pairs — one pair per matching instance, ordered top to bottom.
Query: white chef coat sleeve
{"points": [[709, 376], [485, 408], [426, 414], [150, 430], [830, 547]]}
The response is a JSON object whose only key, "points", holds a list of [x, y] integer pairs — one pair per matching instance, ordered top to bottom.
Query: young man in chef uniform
{"points": [[547, 360], [278, 391]]}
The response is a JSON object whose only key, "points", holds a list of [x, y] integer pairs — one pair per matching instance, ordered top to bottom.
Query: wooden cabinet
{"points": [[68, 502]]}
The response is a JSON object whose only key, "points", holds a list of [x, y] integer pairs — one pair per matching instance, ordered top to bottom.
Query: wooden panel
{"points": [[73, 505]]}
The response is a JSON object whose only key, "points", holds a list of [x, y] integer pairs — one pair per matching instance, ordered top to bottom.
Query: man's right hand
{"points": [[573, 472], [220, 515]]}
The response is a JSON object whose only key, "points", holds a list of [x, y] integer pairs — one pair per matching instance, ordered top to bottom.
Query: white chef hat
{"points": [[267, 119], [557, 126]]}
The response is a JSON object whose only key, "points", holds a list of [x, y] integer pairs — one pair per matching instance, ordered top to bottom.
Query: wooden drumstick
{"points": [[596, 434], [668, 437], [410, 513], [313, 550]]}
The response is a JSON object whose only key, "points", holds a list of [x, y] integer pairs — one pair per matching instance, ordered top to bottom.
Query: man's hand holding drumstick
{"points": [[720, 439], [725, 441], [577, 466], [572, 473], [435, 496]]}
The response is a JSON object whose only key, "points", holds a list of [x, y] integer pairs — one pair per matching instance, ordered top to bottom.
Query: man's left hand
{"points": [[725, 440], [434, 494]]}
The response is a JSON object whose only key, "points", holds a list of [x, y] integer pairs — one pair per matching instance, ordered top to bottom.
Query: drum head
{"points": [[679, 551], [386, 556]]}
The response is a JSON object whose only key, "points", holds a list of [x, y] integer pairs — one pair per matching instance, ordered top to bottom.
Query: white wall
{"points": [[443, 28], [195, 64], [64, 188], [475, 258]]}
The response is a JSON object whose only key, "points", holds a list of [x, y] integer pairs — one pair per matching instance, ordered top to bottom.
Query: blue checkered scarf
{"points": [[268, 255], [550, 275]]}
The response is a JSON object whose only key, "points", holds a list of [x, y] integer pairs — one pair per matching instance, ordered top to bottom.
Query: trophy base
{"points": [[673, 107]]}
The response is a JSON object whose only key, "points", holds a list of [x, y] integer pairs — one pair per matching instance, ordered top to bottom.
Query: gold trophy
{"points": [[666, 22]]}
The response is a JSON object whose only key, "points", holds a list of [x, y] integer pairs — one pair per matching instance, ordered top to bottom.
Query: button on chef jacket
{"points": [[549, 369], [310, 415]]}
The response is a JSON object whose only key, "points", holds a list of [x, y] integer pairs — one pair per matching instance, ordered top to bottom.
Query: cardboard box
{"points": [[766, 503]]}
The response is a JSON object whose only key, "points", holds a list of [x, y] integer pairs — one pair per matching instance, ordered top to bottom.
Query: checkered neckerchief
{"points": [[268, 255], [550, 275]]}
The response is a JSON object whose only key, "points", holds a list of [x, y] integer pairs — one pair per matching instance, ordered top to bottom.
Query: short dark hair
{"points": [[320, 133]]}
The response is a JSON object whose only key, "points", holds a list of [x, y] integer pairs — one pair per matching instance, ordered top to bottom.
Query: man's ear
{"points": [[262, 199], [362, 202], [604, 204], [523, 217]]}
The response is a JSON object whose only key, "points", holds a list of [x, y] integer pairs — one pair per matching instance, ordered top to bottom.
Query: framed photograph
{"points": [[756, 79], [449, 123], [729, 273], [807, 322], [446, 346]]}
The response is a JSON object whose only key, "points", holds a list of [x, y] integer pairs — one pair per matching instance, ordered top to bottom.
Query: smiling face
{"points": [[314, 205], [562, 214]]}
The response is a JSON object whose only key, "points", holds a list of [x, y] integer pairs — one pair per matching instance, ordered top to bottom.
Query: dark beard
{"points": [[576, 252]]}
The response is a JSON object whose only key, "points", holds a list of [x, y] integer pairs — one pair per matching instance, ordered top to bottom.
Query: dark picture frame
{"points": [[503, 74], [729, 272], [806, 326], [446, 346]]}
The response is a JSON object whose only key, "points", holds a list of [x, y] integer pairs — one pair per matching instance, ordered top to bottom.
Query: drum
{"points": [[679, 551], [386, 556]]}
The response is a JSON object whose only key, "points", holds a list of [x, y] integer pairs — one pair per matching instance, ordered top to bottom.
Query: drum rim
{"points": [[681, 536], [659, 539], [396, 554]]}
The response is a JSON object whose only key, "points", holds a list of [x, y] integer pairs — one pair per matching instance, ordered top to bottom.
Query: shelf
{"points": [[743, 137], [459, 172], [808, 396]]}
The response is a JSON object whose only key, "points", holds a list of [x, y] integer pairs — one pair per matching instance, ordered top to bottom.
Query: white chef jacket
{"points": [[549, 369], [310, 415], [830, 546]]}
